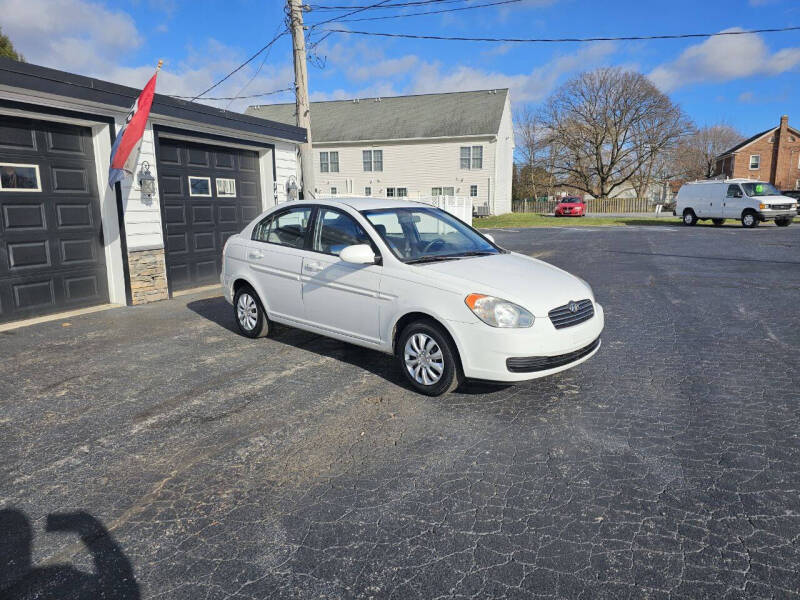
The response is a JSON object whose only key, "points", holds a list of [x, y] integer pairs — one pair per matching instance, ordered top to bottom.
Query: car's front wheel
{"points": [[689, 218], [749, 219], [250, 316], [428, 359]]}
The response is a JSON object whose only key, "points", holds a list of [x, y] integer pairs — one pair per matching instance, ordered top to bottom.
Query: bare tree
{"points": [[607, 125], [697, 153], [531, 154]]}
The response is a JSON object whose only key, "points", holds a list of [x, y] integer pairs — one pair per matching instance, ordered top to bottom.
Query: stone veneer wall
{"points": [[148, 276]]}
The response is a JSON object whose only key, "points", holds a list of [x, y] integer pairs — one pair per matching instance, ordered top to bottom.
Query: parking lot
{"points": [[213, 466]]}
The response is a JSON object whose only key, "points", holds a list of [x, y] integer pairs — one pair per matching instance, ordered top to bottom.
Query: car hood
{"points": [[533, 284]]}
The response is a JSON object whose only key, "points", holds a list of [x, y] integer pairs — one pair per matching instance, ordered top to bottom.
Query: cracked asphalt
{"points": [[211, 466]]}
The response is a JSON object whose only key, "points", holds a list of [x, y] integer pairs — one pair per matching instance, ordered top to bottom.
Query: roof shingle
{"points": [[397, 117]]}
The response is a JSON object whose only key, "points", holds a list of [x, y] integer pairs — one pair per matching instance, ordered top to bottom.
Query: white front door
{"points": [[734, 202], [275, 258], [340, 297]]}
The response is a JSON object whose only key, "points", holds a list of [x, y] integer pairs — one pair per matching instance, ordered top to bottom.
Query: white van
{"points": [[746, 200]]}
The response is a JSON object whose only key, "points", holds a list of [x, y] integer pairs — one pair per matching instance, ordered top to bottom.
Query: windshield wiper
{"points": [[473, 253], [427, 259]]}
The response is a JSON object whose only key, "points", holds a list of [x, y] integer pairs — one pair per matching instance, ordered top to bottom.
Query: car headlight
{"points": [[498, 312]]}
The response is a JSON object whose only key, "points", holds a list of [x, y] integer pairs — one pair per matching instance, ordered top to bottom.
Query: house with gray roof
{"points": [[454, 144]]}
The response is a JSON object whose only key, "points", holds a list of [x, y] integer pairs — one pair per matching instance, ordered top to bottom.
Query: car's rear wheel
{"points": [[689, 218], [749, 219], [718, 222], [783, 222], [250, 316], [428, 359]]}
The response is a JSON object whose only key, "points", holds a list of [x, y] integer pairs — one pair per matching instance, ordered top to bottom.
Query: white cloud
{"points": [[85, 37], [724, 58], [525, 87]]}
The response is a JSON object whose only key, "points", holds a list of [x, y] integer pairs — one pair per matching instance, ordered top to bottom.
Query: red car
{"points": [[570, 206]]}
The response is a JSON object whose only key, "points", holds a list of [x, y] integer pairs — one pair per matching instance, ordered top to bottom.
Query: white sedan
{"points": [[412, 281]]}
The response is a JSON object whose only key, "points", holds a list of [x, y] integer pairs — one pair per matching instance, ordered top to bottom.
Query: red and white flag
{"points": [[125, 151]]}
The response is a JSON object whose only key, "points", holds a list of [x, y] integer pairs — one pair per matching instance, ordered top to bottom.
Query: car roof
{"points": [[369, 203]]}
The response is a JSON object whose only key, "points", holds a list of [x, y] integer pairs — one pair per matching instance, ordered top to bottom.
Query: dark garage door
{"points": [[208, 193], [51, 252]]}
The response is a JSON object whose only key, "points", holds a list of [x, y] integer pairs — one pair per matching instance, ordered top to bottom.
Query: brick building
{"points": [[772, 155]]}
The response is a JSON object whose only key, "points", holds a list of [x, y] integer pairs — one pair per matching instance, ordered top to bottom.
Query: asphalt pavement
{"points": [[152, 452]]}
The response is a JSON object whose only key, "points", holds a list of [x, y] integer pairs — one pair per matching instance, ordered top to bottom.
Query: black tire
{"points": [[689, 218], [749, 219], [717, 222], [784, 222], [252, 323], [451, 376]]}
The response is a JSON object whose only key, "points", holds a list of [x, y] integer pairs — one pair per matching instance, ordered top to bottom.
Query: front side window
{"points": [[755, 161], [324, 162], [754, 190], [473, 191], [734, 191], [287, 228], [335, 231], [427, 234]]}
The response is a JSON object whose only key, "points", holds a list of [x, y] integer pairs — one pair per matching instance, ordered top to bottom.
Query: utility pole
{"points": [[302, 105]]}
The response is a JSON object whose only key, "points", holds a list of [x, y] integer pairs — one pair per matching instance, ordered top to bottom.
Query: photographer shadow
{"points": [[113, 578]]}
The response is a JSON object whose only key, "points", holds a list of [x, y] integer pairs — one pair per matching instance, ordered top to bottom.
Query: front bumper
{"points": [[770, 215], [485, 350]]}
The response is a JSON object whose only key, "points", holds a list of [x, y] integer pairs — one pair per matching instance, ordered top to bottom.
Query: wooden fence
{"points": [[606, 205]]}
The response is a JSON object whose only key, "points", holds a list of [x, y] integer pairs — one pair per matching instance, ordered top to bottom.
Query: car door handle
{"points": [[255, 254], [312, 267]]}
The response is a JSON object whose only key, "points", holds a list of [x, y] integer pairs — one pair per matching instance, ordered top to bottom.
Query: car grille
{"points": [[781, 206], [562, 316], [530, 364]]}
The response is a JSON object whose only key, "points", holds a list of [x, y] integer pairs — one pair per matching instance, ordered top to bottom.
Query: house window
{"points": [[471, 157], [373, 160], [755, 161], [328, 162], [19, 178], [797, 184], [200, 186], [226, 188], [334, 191], [368, 191], [443, 191], [473, 191], [400, 192]]}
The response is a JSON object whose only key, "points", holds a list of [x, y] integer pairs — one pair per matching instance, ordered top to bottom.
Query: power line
{"points": [[396, 5], [360, 9], [430, 12], [563, 40], [241, 66], [286, 89]]}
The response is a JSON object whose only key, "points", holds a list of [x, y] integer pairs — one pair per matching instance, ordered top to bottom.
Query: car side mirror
{"points": [[489, 237], [358, 254]]}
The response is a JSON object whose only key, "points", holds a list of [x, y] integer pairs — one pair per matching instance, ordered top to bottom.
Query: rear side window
{"points": [[286, 228], [336, 230]]}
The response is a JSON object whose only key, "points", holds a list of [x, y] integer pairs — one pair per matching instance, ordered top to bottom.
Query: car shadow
{"points": [[218, 311], [113, 578]]}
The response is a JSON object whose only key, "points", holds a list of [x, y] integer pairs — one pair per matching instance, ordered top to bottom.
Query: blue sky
{"points": [[746, 81]]}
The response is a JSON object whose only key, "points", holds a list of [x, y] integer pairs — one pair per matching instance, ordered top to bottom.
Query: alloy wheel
{"points": [[247, 311], [423, 359]]}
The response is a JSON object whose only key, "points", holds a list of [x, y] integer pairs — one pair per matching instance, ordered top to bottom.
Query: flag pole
{"points": [[160, 64]]}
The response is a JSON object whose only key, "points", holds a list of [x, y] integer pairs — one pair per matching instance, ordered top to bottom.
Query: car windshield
{"points": [[760, 189], [570, 200], [427, 234]]}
